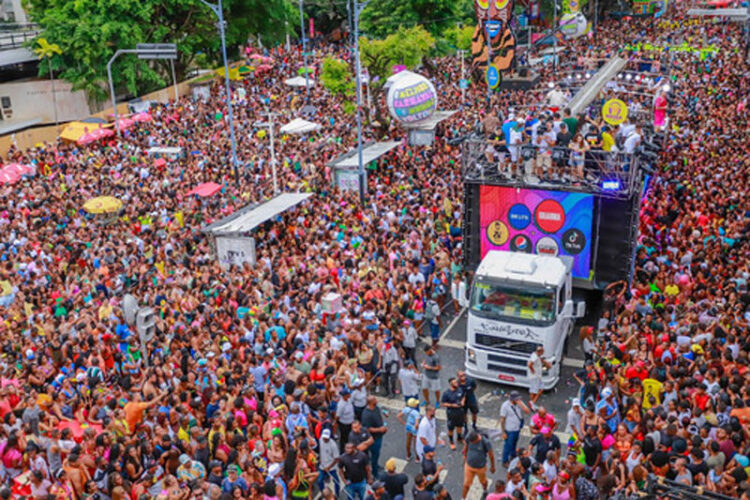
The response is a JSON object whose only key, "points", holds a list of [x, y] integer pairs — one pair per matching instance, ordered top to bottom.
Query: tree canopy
{"points": [[381, 18], [89, 32], [407, 47]]}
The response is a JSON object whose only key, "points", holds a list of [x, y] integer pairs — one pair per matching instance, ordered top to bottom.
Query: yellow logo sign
{"points": [[615, 112], [497, 233]]}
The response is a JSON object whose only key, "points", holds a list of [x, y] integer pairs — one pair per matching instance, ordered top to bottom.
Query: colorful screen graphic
{"points": [[538, 221]]}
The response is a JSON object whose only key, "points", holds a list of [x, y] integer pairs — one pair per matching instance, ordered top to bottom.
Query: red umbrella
{"points": [[264, 67], [142, 117], [160, 162], [8, 177], [206, 189]]}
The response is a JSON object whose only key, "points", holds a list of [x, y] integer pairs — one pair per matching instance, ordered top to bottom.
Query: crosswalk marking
{"points": [[488, 424]]}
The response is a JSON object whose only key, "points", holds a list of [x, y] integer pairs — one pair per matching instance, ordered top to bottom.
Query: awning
{"points": [[299, 81], [431, 122], [299, 126], [371, 151], [249, 218]]}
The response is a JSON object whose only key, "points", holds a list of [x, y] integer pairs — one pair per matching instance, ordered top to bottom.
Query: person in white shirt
{"points": [[633, 140], [535, 365], [410, 380], [427, 431]]}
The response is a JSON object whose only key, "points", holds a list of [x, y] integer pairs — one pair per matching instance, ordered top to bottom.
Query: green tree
{"points": [[381, 18], [90, 31], [459, 37], [407, 46], [336, 77]]}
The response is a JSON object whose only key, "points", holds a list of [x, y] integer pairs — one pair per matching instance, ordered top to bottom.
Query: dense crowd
{"points": [[249, 390]]}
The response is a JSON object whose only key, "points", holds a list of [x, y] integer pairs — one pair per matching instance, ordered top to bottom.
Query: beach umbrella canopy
{"points": [[142, 117], [125, 123], [86, 139], [160, 162], [20, 169], [8, 177], [206, 189], [102, 205]]}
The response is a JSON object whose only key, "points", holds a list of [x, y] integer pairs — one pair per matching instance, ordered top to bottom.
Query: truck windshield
{"points": [[515, 304]]}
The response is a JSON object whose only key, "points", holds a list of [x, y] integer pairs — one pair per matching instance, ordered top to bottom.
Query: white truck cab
{"points": [[519, 301]]}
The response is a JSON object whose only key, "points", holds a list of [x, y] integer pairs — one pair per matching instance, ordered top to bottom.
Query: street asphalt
{"points": [[490, 396]]}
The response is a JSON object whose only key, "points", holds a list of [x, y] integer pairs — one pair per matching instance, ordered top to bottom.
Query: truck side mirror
{"points": [[580, 309], [567, 311]]}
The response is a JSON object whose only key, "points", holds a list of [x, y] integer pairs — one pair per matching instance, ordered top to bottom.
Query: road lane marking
{"points": [[452, 324], [489, 424]]}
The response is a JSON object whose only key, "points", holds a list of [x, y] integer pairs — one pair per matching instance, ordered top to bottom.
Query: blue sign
{"points": [[492, 76], [463, 84], [519, 216]]}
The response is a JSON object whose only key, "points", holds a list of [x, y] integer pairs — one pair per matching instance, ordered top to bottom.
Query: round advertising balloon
{"points": [[573, 25], [411, 98]]}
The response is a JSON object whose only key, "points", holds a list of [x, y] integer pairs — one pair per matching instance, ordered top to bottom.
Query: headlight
{"points": [[471, 355]]}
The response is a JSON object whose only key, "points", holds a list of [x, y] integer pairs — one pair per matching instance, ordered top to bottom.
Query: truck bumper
{"points": [[503, 368]]}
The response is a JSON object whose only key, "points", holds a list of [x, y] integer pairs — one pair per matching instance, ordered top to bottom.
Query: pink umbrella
{"points": [[256, 56], [267, 60], [264, 67], [142, 117], [125, 123], [101, 133], [86, 139], [160, 162], [20, 169], [8, 177], [206, 189]]}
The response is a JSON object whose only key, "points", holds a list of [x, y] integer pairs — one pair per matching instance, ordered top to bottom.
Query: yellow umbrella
{"points": [[102, 205]]}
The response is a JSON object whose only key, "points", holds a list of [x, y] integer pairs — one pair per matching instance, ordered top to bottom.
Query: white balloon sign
{"points": [[573, 25], [411, 97]]}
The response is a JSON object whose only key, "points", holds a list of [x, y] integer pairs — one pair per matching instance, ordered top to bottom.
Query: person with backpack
{"points": [[432, 316], [477, 452]]}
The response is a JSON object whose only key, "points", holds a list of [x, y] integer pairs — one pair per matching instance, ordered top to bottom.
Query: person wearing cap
{"points": [[409, 341], [536, 364], [410, 378], [431, 380], [608, 409], [575, 414], [344, 416], [409, 417], [511, 422], [545, 441], [328, 452], [477, 452], [430, 467], [190, 470], [234, 480], [394, 481], [378, 491]]}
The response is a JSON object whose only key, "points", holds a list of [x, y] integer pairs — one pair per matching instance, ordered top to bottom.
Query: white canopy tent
{"points": [[299, 81], [300, 126], [371, 151], [346, 166], [248, 218], [233, 245]]}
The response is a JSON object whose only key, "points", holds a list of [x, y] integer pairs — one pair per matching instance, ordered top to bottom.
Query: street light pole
{"points": [[218, 10], [304, 48], [270, 125], [362, 190]]}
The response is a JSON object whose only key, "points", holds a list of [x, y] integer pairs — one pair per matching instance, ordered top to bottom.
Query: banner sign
{"points": [[703, 52], [615, 111], [538, 221], [233, 251]]}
